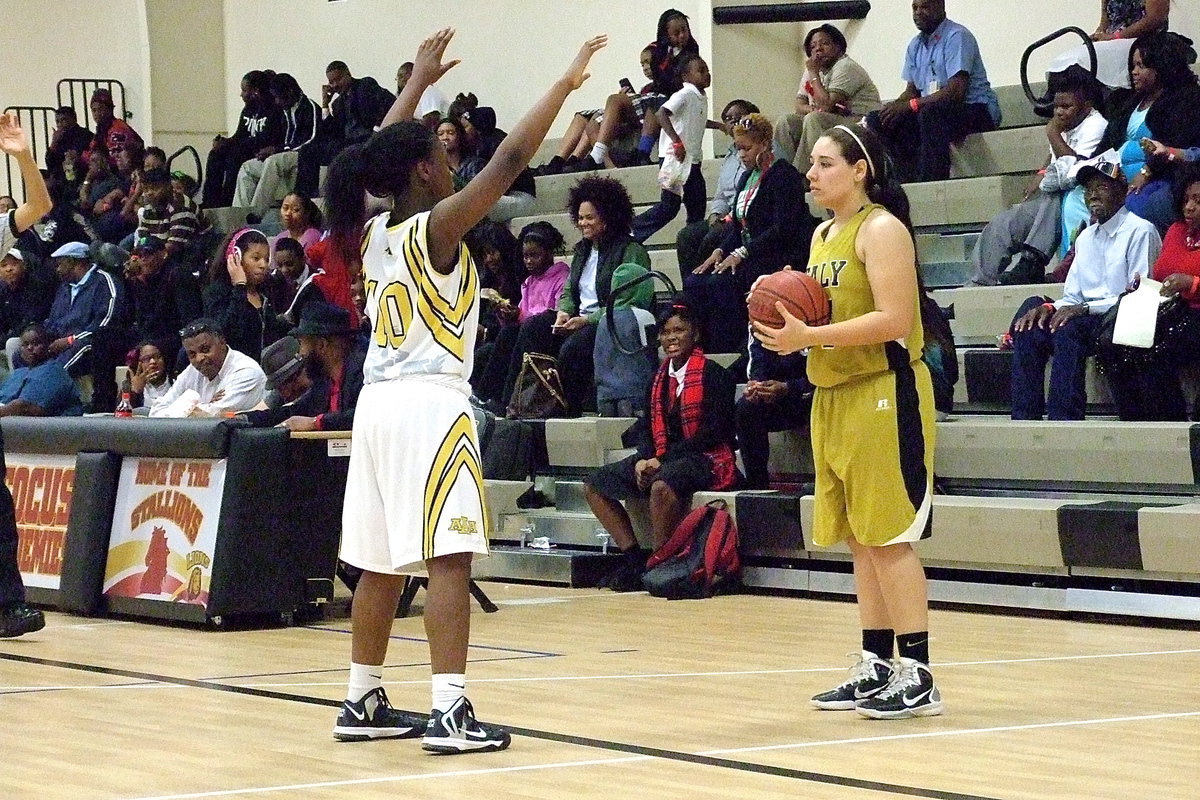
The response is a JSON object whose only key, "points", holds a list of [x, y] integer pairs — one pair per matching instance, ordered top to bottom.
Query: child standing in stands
{"points": [[684, 118], [414, 494]]}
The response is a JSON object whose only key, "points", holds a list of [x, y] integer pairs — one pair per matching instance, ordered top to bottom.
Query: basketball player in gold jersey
{"points": [[872, 419], [414, 493]]}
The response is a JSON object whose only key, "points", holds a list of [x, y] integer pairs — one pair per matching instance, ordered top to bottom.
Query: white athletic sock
{"points": [[599, 152], [363, 678], [447, 689]]}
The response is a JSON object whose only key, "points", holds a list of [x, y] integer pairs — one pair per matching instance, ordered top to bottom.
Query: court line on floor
{"points": [[473, 646], [744, 672], [957, 732], [533, 733]]}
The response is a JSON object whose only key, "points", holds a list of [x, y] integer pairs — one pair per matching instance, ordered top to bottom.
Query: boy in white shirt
{"points": [[684, 118]]}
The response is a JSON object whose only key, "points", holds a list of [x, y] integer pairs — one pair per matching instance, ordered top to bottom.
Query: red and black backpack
{"points": [[700, 559]]}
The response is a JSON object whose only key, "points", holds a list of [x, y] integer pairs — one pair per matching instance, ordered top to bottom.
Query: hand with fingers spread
{"points": [[427, 65], [577, 72], [12, 139]]}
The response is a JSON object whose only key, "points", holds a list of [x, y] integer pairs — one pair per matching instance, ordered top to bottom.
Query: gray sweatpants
{"points": [[1032, 225]]}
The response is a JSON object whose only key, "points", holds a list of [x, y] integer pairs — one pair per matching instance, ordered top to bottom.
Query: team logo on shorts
{"points": [[464, 526]]}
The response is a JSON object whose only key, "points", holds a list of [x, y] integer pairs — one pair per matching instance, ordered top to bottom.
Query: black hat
{"points": [[149, 245], [323, 319], [281, 360]]}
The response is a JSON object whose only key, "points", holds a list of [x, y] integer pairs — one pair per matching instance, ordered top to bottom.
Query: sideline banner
{"points": [[41, 487], [165, 529]]}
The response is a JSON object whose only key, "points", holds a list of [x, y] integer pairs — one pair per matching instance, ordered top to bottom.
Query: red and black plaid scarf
{"points": [[721, 457]]}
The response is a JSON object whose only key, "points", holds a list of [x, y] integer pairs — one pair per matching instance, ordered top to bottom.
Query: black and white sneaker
{"points": [[868, 677], [910, 694], [374, 718], [457, 731]]}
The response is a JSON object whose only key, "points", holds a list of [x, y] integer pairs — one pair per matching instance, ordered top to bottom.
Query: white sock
{"points": [[599, 152], [363, 678], [447, 689]]}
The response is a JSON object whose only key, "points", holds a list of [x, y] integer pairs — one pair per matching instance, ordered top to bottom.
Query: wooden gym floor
{"points": [[608, 696]]}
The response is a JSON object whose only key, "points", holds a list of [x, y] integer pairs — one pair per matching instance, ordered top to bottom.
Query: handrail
{"points": [[791, 12], [1045, 40], [187, 148], [628, 286]]}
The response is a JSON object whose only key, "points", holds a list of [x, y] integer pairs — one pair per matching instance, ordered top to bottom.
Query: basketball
{"points": [[799, 292]]}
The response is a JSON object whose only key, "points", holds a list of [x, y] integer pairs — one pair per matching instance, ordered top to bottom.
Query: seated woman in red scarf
{"points": [[687, 447]]}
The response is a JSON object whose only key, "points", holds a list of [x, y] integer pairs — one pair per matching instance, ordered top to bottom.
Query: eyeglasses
{"points": [[743, 124], [194, 329]]}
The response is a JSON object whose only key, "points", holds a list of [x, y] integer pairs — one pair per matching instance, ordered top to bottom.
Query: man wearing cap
{"points": [[112, 134], [1110, 253], [25, 295], [162, 296], [83, 317], [328, 343], [218, 379], [289, 386], [41, 388], [16, 616]]}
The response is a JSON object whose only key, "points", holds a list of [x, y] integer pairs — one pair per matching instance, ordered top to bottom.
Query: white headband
{"points": [[866, 152]]}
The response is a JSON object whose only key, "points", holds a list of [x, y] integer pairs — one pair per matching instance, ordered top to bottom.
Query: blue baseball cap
{"points": [[77, 250]]}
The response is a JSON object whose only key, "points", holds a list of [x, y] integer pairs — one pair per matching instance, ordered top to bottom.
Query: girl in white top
{"points": [[414, 494]]}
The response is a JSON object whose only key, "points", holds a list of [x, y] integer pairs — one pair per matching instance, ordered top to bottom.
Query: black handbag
{"points": [[1173, 316], [538, 393]]}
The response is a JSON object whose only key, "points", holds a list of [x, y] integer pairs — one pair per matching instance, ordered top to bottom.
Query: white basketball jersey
{"points": [[423, 323]]}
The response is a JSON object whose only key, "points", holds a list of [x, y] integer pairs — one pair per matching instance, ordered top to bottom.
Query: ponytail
{"points": [[345, 202]]}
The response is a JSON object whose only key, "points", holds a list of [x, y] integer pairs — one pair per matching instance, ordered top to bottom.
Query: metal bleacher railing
{"points": [[77, 93]]}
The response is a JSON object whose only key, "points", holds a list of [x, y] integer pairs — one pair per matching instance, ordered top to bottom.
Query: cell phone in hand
{"points": [[626, 85]]}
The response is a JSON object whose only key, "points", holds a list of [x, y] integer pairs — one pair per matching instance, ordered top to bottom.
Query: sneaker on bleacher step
{"points": [[585, 164], [868, 677], [911, 693], [373, 717], [457, 731]]}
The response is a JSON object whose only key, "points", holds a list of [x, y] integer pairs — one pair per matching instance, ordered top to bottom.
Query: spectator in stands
{"points": [[1129, 19], [1121, 22], [672, 42], [834, 90], [947, 97], [1165, 97], [433, 105], [352, 108], [683, 118], [112, 134], [259, 135], [482, 135], [459, 153], [154, 158], [65, 165], [263, 181], [184, 185], [7, 203], [602, 210], [166, 215], [114, 216], [301, 221], [770, 229], [1030, 230], [697, 240], [539, 242], [1109, 254], [498, 258], [334, 262], [288, 273], [25, 294], [163, 295], [235, 298], [84, 318], [329, 346], [149, 375], [218, 379], [1145, 381], [41, 387], [778, 397], [686, 448]]}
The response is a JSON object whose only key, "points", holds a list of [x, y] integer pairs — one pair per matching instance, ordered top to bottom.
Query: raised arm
{"points": [[427, 70], [37, 198], [457, 214]]}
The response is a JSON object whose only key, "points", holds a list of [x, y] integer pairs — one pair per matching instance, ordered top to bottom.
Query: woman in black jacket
{"points": [[603, 211], [770, 228], [235, 295], [686, 447]]}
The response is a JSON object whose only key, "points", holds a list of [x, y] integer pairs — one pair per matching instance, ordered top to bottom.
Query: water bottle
{"points": [[125, 405], [527, 531], [605, 540]]}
